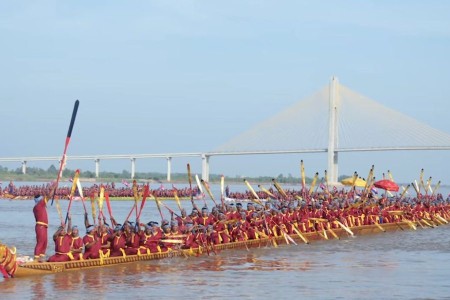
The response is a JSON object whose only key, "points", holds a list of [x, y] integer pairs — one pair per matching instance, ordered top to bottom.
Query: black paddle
{"points": [[69, 133]]}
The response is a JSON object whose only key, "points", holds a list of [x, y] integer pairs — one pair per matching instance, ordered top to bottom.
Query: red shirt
{"points": [[40, 213], [205, 221], [118, 242], [63, 243], [77, 243], [95, 247]]}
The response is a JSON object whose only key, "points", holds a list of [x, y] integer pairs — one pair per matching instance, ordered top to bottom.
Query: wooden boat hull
{"points": [[35, 268]]}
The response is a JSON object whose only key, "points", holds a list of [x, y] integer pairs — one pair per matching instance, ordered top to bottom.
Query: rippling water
{"points": [[395, 265]]}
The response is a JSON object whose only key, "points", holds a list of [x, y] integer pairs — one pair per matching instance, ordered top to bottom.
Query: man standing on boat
{"points": [[41, 216]]}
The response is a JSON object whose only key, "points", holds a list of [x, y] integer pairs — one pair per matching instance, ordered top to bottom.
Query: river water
{"points": [[395, 265]]}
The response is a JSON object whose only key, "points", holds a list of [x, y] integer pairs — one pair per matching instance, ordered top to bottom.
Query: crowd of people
{"points": [[29, 191], [284, 215]]}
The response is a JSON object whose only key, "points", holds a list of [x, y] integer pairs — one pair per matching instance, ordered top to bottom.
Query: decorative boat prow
{"points": [[8, 262]]}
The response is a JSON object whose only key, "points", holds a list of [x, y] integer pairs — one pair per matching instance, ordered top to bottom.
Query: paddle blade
{"points": [[72, 120], [302, 171], [189, 173], [74, 183], [198, 183], [222, 185], [80, 189], [175, 194], [100, 198], [108, 204]]}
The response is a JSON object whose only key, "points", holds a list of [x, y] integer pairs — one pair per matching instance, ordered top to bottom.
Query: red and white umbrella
{"points": [[387, 185]]}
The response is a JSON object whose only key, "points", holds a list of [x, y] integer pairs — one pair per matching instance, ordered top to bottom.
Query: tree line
{"points": [[40, 174]]}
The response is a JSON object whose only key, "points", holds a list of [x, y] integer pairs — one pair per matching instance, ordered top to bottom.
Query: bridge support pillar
{"points": [[333, 130], [24, 167], [97, 167], [133, 167], [205, 167], [169, 168]]}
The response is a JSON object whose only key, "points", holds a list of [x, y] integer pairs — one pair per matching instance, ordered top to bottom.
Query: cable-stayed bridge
{"points": [[333, 120]]}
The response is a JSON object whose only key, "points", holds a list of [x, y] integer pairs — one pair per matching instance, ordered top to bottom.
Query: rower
{"points": [[118, 242], [63, 243], [91, 243], [76, 245]]}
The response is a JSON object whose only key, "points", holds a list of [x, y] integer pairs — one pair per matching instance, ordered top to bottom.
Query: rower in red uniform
{"points": [[232, 213], [183, 218], [205, 219], [41, 227], [222, 229], [105, 235], [209, 238], [132, 239], [149, 240], [190, 241], [118, 242], [63, 243], [91, 243], [76, 246], [165, 246]]}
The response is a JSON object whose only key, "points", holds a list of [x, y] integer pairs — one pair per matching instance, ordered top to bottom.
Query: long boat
{"points": [[119, 198], [36, 268]]}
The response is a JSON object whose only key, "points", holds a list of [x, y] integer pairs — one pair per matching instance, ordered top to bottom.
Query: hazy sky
{"points": [[186, 76]]}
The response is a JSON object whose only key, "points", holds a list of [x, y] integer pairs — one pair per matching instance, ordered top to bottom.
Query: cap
{"points": [[38, 198], [90, 228]]}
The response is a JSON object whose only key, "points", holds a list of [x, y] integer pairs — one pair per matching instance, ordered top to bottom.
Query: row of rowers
{"points": [[215, 227]]}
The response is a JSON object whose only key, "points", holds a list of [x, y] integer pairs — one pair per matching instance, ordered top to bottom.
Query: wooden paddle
{"points": [[63, 159], [302, 172], [313, 183], [190, 187], [435, 188], [279, 189], [208, 190], [80, 191], [222, 191], [72, 192], [267, 192], [145, 194], [175, 194], [136, 196], [100, 200], [108, 205], [158, 206], [94, 213]]}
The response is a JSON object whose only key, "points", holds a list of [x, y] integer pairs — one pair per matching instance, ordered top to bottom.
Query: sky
{"points": [[187, 76]]}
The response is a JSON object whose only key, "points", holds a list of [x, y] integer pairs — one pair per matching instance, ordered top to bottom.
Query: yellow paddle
{"points": [[302, 171], [421, 179], [313, 184], [428, 186], [435, 188], [279, 189], [208, 190], [267, 191], [404, 191], [175, 194], [257, 200], [100, 202], [345, 228]]}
